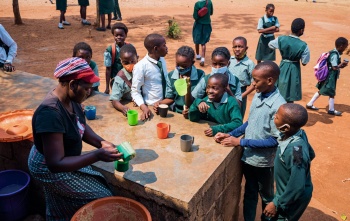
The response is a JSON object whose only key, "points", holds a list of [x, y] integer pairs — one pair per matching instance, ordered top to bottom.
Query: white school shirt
{"points": [[6, 38], [147, 76]]}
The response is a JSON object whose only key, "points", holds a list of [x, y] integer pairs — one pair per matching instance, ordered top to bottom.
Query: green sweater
{"points": [[206, 18], [227, 114]]}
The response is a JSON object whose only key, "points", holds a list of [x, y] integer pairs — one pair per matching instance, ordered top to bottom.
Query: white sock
{"points": [[83, 20], [198, 56], [202, 59], [313, 99], [331, 104]]}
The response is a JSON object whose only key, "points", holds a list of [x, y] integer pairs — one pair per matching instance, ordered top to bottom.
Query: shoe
{"points": [[114, 18], [119, 19], [86, 22], [65, 23], [60, 26], [108, 27], [100, 29], [198, 57], [202, 63], [312, 107], [335, 113]]}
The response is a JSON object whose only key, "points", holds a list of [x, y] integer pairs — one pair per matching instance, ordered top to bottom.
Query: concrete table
{"points": [[203, 184]]}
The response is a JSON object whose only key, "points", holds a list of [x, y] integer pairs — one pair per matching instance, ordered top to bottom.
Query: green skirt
{"points": [[83, 2], [61, 5], [106, 6], [201, 33], [263, 52], [289, 81], [328, 86]]}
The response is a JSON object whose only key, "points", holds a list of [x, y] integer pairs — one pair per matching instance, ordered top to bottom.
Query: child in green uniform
{"points": [[83, 5], [62, 7], [105, 7], [116, 12], [267, 26], [202, 28], [293, 50], [84, 51], [111, 55], [220, 60], [241, 66], [184, 69], [122, 82], [328, 86], [217, 107], [260, 139], [292, 165]]}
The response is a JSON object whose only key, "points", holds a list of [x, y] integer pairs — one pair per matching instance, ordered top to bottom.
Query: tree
{"points": [[18, 19]]}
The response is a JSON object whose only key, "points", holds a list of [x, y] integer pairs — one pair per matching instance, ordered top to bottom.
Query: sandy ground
{"points": [[41, 45]]}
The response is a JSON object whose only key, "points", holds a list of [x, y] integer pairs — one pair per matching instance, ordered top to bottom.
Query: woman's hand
{"points": [[108, 152]]}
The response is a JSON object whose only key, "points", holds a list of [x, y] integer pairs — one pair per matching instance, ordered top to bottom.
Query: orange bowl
{"points": [[16, 125], [113, 208]]}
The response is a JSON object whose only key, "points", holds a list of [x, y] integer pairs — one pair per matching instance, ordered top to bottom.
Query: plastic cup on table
{"points": [[181, 86], [90, 112], [133, 117]]}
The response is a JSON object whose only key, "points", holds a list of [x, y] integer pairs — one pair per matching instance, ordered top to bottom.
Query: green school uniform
{"points": [[83, 2], [61, 5], [106, 6], [202, 26], [263, 52], [117, 64], [94, 67], [289, 81], [328, 86], [120, 90], [179, 101], [227, 113], [292, 175]]}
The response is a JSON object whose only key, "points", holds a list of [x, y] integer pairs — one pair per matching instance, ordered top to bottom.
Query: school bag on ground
{"points": [[203, 11], [322, 67]]}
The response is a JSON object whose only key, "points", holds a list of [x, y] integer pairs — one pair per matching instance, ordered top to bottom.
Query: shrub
{"points": [[174, 30]]}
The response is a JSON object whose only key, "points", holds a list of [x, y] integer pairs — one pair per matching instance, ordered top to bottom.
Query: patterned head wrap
{"points": [[75, 68]]}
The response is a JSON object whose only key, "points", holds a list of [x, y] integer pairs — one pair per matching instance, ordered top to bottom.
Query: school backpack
{"points": [[203, 11], [321, 68]]}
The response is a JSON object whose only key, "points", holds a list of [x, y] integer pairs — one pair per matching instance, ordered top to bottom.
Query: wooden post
{"points": [[16, 13]]}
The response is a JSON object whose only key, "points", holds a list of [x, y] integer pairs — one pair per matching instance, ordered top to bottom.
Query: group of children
{"points": [[276, 149]]}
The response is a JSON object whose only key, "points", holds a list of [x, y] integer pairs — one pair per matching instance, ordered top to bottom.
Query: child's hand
{"points": [[343, 64], [9, 67], [155, 107], [203, 107], [125, 110], [146, 112], [185, 112], [208, 132], [220, 136], [231, 142], [270, 210]]}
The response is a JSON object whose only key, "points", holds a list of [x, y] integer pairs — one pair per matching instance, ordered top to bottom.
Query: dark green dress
{"points": [[83, 2], [61, 5], [106, 6], [202, 26], [263, 52], [289, 81], [328, 86]]}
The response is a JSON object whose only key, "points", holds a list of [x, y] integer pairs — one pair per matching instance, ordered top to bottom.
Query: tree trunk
{"points": [[16, 13], [98, 13]]}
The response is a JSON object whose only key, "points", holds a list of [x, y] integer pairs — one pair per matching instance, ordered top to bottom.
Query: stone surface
{"points": [[203, 184]]}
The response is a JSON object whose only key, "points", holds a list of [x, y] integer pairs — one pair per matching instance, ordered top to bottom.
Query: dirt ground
{"points": [[41, 45]]}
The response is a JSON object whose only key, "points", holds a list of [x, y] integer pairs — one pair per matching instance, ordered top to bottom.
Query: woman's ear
{"points": [[73, 84]]}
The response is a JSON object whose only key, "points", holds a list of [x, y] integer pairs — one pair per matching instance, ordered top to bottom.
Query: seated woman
{"points": [[59, 127]]}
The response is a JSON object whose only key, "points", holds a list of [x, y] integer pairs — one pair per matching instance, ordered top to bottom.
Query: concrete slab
{"points": [[203, 184]]}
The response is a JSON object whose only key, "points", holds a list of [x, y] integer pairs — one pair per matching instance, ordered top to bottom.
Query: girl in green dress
{"points": [[62, 7], [105, 7], [267, 26], [202, 28], [293, 50], [328, 86]]}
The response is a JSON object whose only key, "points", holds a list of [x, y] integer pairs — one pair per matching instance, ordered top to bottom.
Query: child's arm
{"points": [[195, 11], [269, 30], [273, 44], [305, 56], [107, 58], [108, 79], [250, 88], [199, 90], [117, 94], [169, 96], [118, 106], [195, 114], [236, 121]]}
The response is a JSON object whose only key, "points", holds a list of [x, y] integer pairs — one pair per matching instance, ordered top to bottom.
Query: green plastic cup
{"points": [[181, 86], [133, 117], [121, 166]]}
